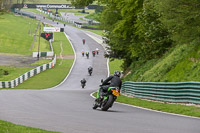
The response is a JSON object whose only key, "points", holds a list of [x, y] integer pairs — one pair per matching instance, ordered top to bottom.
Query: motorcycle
{"points": [[90, 72], [108, 99]]}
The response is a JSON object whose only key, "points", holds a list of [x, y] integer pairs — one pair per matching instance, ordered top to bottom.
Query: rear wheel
{"points": [[105, 106]]}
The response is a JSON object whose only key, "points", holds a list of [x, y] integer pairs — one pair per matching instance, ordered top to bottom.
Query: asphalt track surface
{"points": [[68, 108]]}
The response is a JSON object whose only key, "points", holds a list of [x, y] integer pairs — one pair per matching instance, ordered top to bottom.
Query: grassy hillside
{"points": [[15, 37], [179, 64], [8, 127]]}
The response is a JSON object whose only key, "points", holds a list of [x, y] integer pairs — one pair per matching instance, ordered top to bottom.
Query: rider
{"points": [[83, 41], [97, 51], [82, 53], [93, 53], [87, 54], [90, 69], [83, 81], [115, 81]]}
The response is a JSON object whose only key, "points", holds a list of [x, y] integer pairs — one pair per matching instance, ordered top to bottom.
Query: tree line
{"points": [[5, 5], [141, 30]]}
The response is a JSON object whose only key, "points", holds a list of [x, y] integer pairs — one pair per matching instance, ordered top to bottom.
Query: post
{"points": [[39, 42]]}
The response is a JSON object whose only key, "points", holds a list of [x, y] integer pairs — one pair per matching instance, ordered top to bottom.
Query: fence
{"points": [[27, 75], [178, 92]]}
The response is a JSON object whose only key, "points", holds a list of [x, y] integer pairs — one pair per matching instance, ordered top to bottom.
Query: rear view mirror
{"points": [[101, 80]]}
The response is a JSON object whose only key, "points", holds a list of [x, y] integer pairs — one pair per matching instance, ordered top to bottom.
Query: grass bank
{"points": [[16, 35], [115, 65], [178, 65], [12, 72], [8, 127]]}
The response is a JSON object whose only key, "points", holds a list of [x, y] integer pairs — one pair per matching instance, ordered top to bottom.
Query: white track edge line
{"points": [[72, 64], [152, 109]]}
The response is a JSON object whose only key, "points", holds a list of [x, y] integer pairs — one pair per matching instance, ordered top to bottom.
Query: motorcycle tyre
{"points": [[108, 104], [95, 106]]}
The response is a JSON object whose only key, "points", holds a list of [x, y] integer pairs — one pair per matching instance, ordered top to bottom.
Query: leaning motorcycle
{"points": [[108, 99]]}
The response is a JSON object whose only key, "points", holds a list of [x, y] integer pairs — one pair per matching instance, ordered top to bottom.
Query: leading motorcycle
{"points": [[107, 101]]}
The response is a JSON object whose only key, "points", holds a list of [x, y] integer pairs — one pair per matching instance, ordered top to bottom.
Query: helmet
{"points": [[90, 68], [117, 73]]}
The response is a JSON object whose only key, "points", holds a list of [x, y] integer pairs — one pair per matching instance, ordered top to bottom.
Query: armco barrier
{"points": [[27, 75], [177, 92]]}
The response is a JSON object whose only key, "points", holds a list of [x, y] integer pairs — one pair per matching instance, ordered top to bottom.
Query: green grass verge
{"points": [[94, 16], [98, 32], [15, 37], [60, 40], [41, 62], [115, 65], [178, 65], [13, 72], [49, 78], [164, 107], [8, 127]]}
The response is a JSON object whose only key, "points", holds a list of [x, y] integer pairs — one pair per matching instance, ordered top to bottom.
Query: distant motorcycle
{"points": [[90, 69], [90, 72], [83, 83], [108, 99]]}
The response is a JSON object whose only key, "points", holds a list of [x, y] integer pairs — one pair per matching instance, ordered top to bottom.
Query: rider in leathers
{"points": [[115, 81]]}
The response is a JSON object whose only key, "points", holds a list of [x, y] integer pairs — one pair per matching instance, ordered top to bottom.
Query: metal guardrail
{"points": [[27, 75], [177, 92]]}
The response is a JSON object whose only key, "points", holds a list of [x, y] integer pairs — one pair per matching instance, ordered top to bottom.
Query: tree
{"points": [[81, 3], [182, 18], [119, 19], [153, 39]]}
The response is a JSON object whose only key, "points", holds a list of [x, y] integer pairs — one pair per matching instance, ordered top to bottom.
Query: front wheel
{"points": [[95, 106], [105, 106]]}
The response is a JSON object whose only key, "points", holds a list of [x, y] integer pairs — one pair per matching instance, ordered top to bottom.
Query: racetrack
{"points": [[68, 108]]}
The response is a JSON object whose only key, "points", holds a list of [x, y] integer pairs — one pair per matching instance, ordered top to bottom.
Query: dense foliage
{"points": [[146, 29]]}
